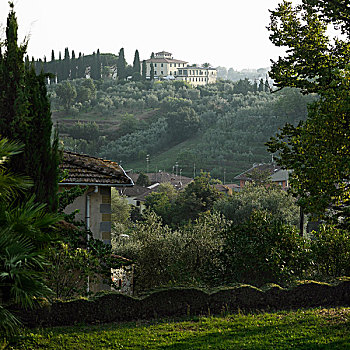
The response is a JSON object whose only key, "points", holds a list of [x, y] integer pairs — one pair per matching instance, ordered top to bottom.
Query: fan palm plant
{"points": [[23, 234]]}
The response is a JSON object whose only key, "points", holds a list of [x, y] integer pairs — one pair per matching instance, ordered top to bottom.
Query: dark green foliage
{"points": [[314, 63], [136, 64], [66, 65], [121, 65], [74, 67], [81, 67], [95, 67], [144, 70], [151, 76], [67, 93], [26, 117], [182, 123], [317, 150], [143, 180], [197, 197], [272, 199], [24, 231], [330, 248], [263, 249]]}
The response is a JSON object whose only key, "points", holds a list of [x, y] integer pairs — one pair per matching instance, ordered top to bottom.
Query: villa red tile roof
{"points": [[164, 60], [268, 168], [84, 169]]}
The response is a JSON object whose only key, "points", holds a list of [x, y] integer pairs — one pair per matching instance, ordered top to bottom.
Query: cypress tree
{"points": [[136, 64], [66, 65], [121, 65], [73, 66], [81, 66], [93, 66], [97, 66], [59, 67], [52, 68], [144, 70], [152, 71], [261, 85], [267, 85], [255, 86], [26, 118]]}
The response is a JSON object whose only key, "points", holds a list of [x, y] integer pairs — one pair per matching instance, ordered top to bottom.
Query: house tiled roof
{"points": [[163, 53], [164, 60], [268, 168], [84, 169], [161, 177], [136, 191]]}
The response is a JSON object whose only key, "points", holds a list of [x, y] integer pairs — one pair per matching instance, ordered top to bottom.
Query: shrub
{"points": [[263, 249], [330, 249], [163, 257]]}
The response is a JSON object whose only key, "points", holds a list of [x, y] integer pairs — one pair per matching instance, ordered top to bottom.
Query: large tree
{"points": [[136, 64], [121, 65], [25, 116], [318, 150]]}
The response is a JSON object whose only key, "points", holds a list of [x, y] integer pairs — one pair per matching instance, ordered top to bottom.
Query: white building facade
{"points": [[168, 68]]}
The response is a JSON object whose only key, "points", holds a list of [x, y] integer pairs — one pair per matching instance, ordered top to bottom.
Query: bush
{"points": [[263, 249], [330, 249], [163, 257]]}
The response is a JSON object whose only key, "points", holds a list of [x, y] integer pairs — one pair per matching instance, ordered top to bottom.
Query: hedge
{"points": [[115, 307]]}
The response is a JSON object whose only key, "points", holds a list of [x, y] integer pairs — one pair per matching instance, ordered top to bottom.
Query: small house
{"points": [[99, 176]]}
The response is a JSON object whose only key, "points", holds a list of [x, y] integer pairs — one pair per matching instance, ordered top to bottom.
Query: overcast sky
{"points": [[230, 33]]}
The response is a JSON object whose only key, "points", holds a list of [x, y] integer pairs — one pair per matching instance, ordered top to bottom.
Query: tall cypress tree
{"points": [[136, 64], [66, 65], [121, 65], [73, 66], [81, 66], [93, 66], [96, 66], [59, 67], [144, 70], [152, 72], [267, 85], [26, 117]]}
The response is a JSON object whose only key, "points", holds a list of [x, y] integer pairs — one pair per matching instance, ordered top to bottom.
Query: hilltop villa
{"points": [[166, 67]]}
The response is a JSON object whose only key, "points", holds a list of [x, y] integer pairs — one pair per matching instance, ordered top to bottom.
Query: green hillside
{"points": [[219, 128]]}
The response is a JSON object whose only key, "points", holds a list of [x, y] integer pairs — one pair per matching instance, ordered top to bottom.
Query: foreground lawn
{"points": [[302, 329]]}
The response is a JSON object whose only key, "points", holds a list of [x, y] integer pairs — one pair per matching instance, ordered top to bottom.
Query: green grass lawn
{"points": [[302, 329]]}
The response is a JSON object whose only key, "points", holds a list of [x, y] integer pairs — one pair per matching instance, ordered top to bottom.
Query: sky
{"points": [[229, 33]]}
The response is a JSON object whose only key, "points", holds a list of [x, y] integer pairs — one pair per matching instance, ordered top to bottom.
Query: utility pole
{"points": [[176, 167], [194, 170]]}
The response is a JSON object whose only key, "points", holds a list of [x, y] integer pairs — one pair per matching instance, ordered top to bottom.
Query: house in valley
{"points": [[265, 173], [99, 175]]}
